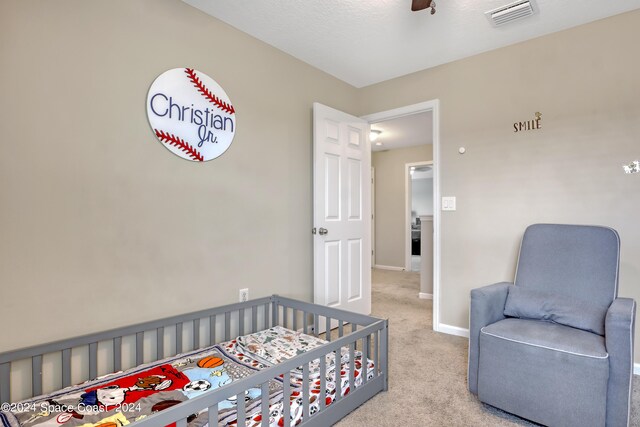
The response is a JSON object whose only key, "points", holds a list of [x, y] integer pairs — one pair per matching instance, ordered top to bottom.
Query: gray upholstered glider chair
{"points": [[556, 346]]}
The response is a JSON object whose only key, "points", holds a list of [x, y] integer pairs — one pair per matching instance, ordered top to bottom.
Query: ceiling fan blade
{"points": [[420, 4]]}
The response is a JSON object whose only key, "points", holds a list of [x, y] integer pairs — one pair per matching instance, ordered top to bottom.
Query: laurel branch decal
{"points": [[197, 83], [180, 143]]}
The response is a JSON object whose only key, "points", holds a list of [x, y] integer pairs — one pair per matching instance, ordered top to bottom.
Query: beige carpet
{"points": [[428, 370]]}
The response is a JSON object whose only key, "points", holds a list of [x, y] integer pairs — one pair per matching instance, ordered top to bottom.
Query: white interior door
{"points": [[342, 210]]}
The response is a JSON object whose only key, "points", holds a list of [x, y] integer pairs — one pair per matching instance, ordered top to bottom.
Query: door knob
{"points": [[323, 231]]}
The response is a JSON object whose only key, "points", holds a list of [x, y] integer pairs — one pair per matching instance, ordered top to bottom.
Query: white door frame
{"points": [[434, 107], [408, 198], [373, 214]]}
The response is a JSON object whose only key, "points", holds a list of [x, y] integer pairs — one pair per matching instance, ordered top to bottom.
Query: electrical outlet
{"points": [[244, 295]]}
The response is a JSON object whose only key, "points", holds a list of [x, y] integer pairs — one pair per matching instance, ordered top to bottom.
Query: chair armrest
{"points": [[487, 307], [619, 326]]}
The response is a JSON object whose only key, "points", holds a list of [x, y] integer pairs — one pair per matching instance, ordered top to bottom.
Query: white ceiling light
{"points": [[510, 12], [374, 134]]}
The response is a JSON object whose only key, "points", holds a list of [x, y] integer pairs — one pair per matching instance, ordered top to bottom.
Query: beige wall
{"points": [[585, 82], [390, 207], [100, 225]]}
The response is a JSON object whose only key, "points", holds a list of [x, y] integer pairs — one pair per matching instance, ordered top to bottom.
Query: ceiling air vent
{"points": [[511, 12]]}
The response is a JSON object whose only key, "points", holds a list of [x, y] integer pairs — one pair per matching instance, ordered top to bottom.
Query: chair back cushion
{"points": [[577, 261], [550, 306]]}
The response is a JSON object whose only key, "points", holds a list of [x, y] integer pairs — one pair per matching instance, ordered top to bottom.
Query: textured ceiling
{"points": [[363, 42]]}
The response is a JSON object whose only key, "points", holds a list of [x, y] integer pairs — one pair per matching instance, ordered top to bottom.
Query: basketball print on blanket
{"points": [[190, 114]]}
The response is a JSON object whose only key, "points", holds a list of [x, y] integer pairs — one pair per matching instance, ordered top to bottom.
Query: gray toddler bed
{"points": [[263, 357]]}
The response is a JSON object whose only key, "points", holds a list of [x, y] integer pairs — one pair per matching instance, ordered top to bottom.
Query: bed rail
{"points": [[218, 319], [209, 327], [260, 379]]}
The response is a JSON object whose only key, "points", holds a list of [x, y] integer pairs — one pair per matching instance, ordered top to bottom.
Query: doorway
{"points": [[432, 107], [418, 207]]}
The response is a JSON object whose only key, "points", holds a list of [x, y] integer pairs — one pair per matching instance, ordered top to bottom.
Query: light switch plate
{"points": [[448, 203]]}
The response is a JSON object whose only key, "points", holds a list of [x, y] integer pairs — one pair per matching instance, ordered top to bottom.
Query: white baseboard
{"points": [[388, 267], [422, 295], [453, 330], [636, 369]]}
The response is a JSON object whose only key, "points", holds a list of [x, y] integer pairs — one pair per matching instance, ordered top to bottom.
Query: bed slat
{"points": [[274, 314], [266, 316], [285, 317], [254, 319], [295, 320], [241, 321], [305, 323], [316, 324], [227, 326], [340, 328], [212, 331], [196, 334], [327, 334], [178, 338], [160, 343], [139, 348], [376, 350], [384, 354], [117, 355], [93, 360], [364, 360], [66, 367], [352, 367], [337, 374], [36, 375], [5, 382], [323, 382], [305, 392], [286, 395], [265, 404], [241, 408], [213, 415]]}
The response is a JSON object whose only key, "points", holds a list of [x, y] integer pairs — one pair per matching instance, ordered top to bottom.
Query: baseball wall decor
{"points": [[190, 114]]}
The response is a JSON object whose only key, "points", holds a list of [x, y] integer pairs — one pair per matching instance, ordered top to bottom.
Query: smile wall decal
{"points": [[529, 124]]}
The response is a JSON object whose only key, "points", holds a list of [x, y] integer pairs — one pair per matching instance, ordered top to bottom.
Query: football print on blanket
{"points": [[190, 114]]}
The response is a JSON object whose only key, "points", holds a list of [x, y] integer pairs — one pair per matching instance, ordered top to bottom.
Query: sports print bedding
{"points": [[278, 344], [122, 398]]}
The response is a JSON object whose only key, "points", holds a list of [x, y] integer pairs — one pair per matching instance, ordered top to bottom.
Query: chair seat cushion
{"points": [[570, 311], [549, 335], [549, 373]]}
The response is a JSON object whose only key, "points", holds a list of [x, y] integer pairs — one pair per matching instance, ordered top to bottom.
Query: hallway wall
{"points": [[390, 201]]}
